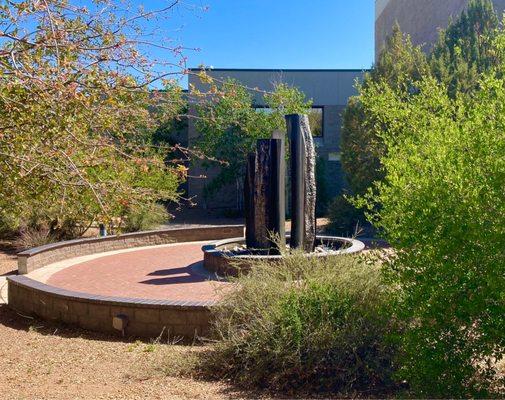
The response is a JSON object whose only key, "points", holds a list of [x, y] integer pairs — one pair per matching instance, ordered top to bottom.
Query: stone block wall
{"points": [[38, 257], [146, 318]]}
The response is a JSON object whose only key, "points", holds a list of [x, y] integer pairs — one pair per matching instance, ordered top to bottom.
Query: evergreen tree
{"points": [[464, 50], [400, 65]]}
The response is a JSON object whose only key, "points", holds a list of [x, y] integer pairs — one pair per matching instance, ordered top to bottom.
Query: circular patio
{"points": [[167, 272], [145, 284]]}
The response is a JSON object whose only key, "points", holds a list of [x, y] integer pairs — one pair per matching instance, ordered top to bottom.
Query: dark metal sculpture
{"points": [[303, 183], [264, 190], [264, 196]]}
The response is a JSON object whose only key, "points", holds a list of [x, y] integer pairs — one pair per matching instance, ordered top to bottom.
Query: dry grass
{"points": [[45, 361]]}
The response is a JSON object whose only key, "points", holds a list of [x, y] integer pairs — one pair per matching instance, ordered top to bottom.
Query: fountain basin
{"points": [[229, 258]]}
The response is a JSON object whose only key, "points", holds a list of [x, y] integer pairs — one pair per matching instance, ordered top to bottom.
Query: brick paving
{"points": [[161, 273]]}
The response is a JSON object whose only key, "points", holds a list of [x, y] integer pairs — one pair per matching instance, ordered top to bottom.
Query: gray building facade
{"points": [[420, 18], [329, 91]]}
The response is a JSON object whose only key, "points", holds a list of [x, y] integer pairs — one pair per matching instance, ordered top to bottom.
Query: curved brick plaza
{"points": [[170, 272], [147, 282]]}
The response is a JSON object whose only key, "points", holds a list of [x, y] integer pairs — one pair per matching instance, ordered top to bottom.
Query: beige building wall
{"points": [[420, 18], [329, 90]]}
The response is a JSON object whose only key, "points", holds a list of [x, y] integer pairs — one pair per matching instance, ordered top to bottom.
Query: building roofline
{"points": [[278, 70]]}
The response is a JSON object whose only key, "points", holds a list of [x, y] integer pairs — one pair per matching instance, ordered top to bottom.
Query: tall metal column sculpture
{"points": [[303, 182], [265, 196]]}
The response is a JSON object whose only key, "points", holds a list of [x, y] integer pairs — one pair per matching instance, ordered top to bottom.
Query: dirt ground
{"points": [[8, 262], [40, 360], [45, 361]]}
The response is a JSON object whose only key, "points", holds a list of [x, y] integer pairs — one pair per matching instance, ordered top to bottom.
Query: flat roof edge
{"points": [[280, 70]]}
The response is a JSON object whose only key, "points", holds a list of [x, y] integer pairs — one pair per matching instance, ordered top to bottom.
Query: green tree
{"points": [[464, 50], [460, 56], [400, 65], [230, 125], [441, 205]]}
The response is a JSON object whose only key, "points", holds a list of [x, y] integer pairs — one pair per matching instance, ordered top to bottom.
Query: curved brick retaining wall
{"points": [[39, 257], [216, 260], [144, 317]]}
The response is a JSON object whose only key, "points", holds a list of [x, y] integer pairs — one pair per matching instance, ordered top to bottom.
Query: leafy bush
{"points": [[229, 127], [76, 140], [442, 207], [146, 217], [345, 219], [28, 220], [8, 225], [306, 324]]}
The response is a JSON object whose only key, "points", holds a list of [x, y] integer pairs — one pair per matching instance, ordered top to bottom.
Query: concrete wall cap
{"points": [[32, 284]]}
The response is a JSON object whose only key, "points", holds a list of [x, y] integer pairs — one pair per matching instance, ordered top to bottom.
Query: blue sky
{"points": [[279, 33]]}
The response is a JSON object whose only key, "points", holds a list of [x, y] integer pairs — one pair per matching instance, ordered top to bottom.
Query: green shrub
{"points": [[461, 54], [442, 207], [145, 217], [344, 218], [8, 225], [306, 324]]}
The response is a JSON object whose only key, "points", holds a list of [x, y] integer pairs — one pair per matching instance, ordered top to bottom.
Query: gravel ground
{"points": [[8, 262], [44, 361]]}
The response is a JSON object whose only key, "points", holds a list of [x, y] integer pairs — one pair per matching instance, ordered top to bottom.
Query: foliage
{"points": [[464, 50], [400, 65], [76, 113], [316, 122], [230, 127], [172, 131], [322, 190], [442, 207], [145, 217], [345, 218], [8, 225], [33, 237], [306, 324]]}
